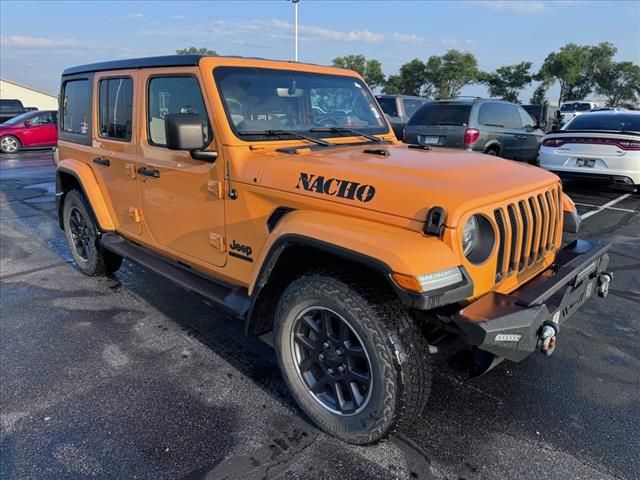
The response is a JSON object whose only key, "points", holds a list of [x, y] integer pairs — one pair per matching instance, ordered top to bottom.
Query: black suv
{"points": [[399, 109], [489, 126]]}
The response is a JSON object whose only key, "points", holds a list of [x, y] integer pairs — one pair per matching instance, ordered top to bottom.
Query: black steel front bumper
{"points": [[511, 326]]}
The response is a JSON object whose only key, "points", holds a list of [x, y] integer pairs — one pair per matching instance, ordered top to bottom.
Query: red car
{"points": [[30, 130]]}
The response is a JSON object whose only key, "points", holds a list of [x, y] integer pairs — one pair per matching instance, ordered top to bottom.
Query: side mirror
{"points": [[27, 123], [184, 131]]}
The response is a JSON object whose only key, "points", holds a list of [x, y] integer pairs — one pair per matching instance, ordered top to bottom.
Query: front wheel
{"points": [[9, 144], [82, 236], [352, 357]]}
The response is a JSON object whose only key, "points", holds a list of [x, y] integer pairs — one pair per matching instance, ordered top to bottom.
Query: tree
{"points": [[196, 51], [575, 67], [370, 70], [452, 71], [413, 79], [507, 81], [619, 83], [539, 95]]}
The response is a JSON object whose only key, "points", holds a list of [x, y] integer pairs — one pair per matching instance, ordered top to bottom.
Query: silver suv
{"points": [[489, 126]]}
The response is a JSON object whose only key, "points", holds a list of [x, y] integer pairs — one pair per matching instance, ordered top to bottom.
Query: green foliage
{"points": [[196, 51], [575, 67], [370, 70], [452, 71], [413, 79], [507, 81], [619, 83], [539, 95]]}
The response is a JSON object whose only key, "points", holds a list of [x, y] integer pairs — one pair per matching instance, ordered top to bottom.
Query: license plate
{"points": [[430, 140], [586, 162]]}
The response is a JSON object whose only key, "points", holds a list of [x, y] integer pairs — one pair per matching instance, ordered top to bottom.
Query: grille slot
{"points": [[527, 230]]}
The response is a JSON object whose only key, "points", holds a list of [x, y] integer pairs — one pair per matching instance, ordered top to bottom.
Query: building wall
{"points": [[28, 96]]}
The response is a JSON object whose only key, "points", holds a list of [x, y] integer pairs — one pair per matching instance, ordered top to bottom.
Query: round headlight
{"points": [[470, 235], [478, 239]]}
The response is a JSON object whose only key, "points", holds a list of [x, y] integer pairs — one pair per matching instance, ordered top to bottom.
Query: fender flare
{"points": [[89, 184], [384, 248]]}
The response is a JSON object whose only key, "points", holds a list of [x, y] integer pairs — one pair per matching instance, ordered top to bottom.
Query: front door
{"points": [[43, 130], [114, 145], [182, 200]]}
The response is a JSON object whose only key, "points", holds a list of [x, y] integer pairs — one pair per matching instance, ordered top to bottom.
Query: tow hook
{"points": [[603, 284], [547, 340]]}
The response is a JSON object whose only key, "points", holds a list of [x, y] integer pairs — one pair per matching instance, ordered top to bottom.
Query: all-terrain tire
{"points": [[81, 230], [398, 354]]}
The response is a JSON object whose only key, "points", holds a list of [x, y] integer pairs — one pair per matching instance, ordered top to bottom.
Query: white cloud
{"points": [[514, 6], [135, 15], [407, 38], [19, 41]]}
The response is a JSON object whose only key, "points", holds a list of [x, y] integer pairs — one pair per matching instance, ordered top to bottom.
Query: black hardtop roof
{"points": [[151, 62]]}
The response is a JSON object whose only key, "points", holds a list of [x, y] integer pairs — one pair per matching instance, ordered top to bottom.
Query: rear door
{"points": [[500, 122], [115, 146], [182, 200]]}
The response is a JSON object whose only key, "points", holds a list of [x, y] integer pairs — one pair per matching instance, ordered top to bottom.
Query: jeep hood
{"points": [[403, 181]]}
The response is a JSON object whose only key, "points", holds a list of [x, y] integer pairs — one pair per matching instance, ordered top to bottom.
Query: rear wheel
{"points": [[9, 144], [492, 152], [83, 237], [351, 356]]}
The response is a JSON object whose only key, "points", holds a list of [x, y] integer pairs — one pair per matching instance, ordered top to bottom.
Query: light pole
{"points": [[295, 27]]}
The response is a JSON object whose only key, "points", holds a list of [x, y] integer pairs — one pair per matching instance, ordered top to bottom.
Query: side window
{"points": [[173, 95], [388, 106], [411, 106], [76, 107], [115, 108], [489, 115], [511, 116], [43, 119], [526, 119]]}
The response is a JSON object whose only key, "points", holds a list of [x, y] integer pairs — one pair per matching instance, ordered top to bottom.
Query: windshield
{"points": [[260, 100], [575, 107], [19, 119], [606, 121]]}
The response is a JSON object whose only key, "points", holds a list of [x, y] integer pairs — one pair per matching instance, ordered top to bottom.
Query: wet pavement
{"points": [[132, 377]]}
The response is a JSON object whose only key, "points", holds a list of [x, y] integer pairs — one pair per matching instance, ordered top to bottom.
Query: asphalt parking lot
{"points": [[132, 377]]}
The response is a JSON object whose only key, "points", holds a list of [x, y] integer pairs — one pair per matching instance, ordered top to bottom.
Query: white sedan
{"points": [[601, 145]]}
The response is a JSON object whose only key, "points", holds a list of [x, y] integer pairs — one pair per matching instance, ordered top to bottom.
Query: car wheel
{"points": [[9, 144], [492, 151], [82, 235], [352, 357]]}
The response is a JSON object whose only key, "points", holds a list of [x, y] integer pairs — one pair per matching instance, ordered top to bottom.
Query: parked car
{"points": [[10, 108], [399, 109], [571, 109], [543, 114], [494, 127], [35, 129], [602, 145], [356, 251]]}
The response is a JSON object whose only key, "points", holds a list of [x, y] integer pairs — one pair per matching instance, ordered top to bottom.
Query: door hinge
{"points": [[130, 168], [217, 188], [134, 213], [217, 241]]}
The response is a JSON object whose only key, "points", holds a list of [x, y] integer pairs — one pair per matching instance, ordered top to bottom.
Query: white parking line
{"points": [[606, 205], [617, 209]]}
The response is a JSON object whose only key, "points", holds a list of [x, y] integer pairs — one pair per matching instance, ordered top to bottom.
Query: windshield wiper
{"points": [[347, 130], [279, 133]]}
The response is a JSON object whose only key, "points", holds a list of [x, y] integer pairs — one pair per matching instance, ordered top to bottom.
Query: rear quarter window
{"points": [[10, 105], [76, 111], [441, 114], [499, 115]]}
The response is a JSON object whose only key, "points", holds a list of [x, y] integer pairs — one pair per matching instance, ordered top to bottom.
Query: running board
{"points": [[233, 299]]}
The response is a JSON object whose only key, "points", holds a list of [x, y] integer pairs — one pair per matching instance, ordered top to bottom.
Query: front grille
{"points": [[527, 230]]}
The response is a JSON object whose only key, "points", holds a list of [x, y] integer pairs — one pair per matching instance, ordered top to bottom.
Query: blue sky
{"points": [[39, 39]]}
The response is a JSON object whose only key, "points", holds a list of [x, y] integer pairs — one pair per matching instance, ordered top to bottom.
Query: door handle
{"points": [[102, 161], [149, 172]]}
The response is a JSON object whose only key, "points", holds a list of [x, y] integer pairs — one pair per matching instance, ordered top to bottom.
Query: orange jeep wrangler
{"points": [[279, 191]]}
